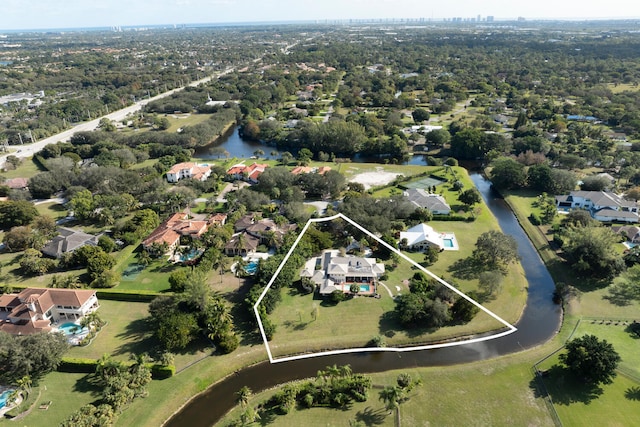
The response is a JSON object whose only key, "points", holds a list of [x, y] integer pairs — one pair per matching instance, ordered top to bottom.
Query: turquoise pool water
{"points": [[448, 243], [193, 254], [252, 267], [364, 288], [70, 328], [3, 398]]}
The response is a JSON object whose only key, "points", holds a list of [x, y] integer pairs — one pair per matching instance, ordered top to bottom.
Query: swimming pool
{"points": [[448, 243], [252, 267], [363, 287], [71, 328], [3, 398]]}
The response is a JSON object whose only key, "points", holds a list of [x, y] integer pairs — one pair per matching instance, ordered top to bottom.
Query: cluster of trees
{"points": [[587, 244], [430, 304], [180, 319], [32, 355], [120, 384], [336, 386]]}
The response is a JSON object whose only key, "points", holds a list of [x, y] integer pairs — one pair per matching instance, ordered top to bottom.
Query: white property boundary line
{"points": [[511, 328]]}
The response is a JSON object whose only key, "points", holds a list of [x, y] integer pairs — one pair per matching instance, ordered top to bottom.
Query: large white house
{"points": [[187, 170], [602, 205], [340, 272], [34, 310]]}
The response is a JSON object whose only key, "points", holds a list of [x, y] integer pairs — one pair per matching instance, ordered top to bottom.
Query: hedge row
{"points": [[453, 218], [137, 296], [77, 365], [88, 366]]}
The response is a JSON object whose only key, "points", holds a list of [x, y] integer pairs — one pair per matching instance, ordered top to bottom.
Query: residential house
{"points": [[188, 170], [299, 170], [247, 173], [17, 183], [435, 203], [602, 205], [182, 224], [252, 232], [630, 232], [420, 238], [68, 240], [241, 244], [340, 272], [36, 310]]}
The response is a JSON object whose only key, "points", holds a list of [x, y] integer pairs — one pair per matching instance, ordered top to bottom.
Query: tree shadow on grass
{"points": [[466, 268], [620, 295], [295, 325], [138, 338], [88, 384], [565, 388], [632, 393], [371, 417]]}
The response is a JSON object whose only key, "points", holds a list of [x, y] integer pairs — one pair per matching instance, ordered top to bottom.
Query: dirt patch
{"points": [[374, 179]]}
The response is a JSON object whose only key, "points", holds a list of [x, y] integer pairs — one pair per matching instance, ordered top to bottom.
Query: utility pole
{"points": [[20, 136], [31, 136]]}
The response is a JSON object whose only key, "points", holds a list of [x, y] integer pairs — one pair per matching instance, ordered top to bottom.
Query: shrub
{"points": [[228, 343], [77, 365], [160, 372]]}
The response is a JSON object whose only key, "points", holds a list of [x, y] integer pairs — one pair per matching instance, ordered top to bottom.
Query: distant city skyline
{"points": [[42, 14]]}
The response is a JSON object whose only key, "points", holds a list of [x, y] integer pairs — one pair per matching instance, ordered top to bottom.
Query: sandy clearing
{"points": [[373, 179]]}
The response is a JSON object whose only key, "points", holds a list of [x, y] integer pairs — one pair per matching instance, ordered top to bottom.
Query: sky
{"points": [[40, 14]]}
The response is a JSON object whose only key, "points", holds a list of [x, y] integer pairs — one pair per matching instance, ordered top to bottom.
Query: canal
{"points": [[540, 321]]}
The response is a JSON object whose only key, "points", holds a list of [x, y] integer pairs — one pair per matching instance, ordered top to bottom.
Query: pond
{"points": [[236, 146]]}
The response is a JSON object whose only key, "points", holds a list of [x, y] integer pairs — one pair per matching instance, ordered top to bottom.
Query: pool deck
{"points": [[449, 235]]}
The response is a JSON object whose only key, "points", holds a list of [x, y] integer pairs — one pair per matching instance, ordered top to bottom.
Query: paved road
{"points": [[28, 150]]}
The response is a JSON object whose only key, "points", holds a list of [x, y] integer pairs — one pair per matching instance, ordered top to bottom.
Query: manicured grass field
{"points": [[153, 277], [126, 332], [66, 392], [491, 393], [608, 404]]}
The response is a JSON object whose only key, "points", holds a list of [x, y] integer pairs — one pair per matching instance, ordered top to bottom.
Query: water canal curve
{"points": [[540, 321]]}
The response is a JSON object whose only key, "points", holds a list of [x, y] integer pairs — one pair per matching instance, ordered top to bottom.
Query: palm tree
{"points": [[24, 384], [243, 396], [391, 396], [249, 416]]}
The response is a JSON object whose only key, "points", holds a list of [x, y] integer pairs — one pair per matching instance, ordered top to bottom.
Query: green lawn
{"points": [[26, 170], [52, 209], [154, 277], [354, 322], [126, 332], [66, 392], [490, 393], [606, 405]]}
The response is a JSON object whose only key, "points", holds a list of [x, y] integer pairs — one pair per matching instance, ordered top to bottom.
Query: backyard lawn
{"points": [[305, 323], [609, 404]]}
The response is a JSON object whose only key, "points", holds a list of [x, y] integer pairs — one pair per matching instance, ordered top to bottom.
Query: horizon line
{"points": [[332, 21]]}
